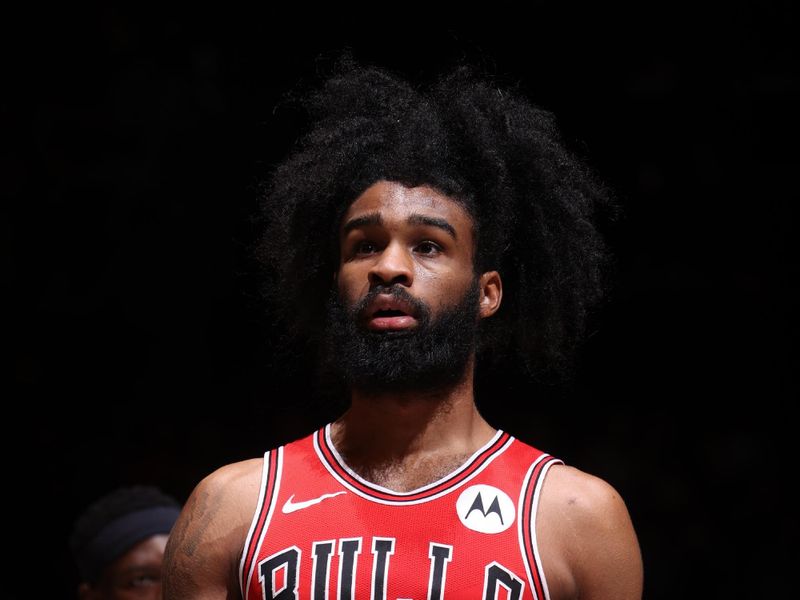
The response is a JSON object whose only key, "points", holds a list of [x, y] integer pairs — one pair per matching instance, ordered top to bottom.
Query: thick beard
{"points": [[431, 356]]}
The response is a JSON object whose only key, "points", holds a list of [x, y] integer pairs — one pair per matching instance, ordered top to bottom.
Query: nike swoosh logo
{"points": [[290, 507]]}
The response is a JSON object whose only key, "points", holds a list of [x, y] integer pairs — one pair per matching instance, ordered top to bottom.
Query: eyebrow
{"points": [[414, 219], [417, 219], [363, 221], [148, 567]]}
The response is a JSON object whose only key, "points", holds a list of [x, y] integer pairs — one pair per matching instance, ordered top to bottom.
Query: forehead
{"points": [[396, 202], [149, 551]]}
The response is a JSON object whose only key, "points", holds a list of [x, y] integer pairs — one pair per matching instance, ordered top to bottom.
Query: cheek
{"points": [[349, 285], [443, 291]]}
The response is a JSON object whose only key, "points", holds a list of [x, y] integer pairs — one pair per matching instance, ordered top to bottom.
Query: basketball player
{"points": [[411, 234], [118, 543]]}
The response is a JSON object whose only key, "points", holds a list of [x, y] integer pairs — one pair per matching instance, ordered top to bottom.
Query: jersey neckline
{"points": [[336, 465]]}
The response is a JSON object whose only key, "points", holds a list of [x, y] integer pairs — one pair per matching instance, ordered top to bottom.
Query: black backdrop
{"points": [[132, 141]]}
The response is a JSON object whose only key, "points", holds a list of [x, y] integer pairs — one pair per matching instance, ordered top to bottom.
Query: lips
{"points": [[389, 313]]}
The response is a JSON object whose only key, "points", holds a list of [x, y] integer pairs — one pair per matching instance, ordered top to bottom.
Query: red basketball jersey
{"points": [[322, 532]]}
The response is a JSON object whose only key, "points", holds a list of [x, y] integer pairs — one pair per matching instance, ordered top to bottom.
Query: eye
{"points": [[365, 247], [428, 248], [143, 580]]}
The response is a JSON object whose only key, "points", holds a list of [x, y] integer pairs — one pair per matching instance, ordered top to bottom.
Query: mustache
{"points": [[421, 309], [429, 356]]}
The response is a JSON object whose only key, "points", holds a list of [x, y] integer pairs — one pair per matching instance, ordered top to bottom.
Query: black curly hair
{"points": [[534, 202]]}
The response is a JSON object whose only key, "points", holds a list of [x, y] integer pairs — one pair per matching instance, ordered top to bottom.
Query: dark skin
{"points": [[422, 240], [135, 574]]}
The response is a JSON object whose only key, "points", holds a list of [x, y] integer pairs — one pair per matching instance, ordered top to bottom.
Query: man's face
{"points": [[415, 238], [408, 299], [135, 574]]}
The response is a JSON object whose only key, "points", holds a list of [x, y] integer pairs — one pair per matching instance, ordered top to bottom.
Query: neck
{"points": [[405, 440]]}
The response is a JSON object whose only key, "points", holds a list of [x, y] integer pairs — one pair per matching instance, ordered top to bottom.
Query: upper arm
{"points": [[596, 537], [202, 554], [609, 561]]}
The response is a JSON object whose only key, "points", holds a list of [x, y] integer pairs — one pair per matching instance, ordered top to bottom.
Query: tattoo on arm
{"points": [[201, 514], [191, 528]]}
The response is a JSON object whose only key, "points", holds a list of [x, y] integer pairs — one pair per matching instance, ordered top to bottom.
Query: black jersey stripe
{"points": [[271, 464], [529, 497]]}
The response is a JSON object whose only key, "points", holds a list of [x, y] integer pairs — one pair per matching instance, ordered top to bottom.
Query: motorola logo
{"points": [[485, 509]]}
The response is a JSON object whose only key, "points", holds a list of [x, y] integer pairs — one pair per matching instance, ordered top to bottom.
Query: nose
{"points": [[392, 265]]}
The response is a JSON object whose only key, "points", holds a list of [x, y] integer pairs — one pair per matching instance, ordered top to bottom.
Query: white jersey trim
{"points": [[368, 484], [534, 509], [254, 520], [267, 520]]}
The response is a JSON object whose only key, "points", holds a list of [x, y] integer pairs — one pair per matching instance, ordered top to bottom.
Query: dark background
{"points": [[132, 141]]}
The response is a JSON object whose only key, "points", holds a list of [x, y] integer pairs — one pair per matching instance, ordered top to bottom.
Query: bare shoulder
{"points": [[233, 482], [588, 500], [585, 523], [201, 558]]}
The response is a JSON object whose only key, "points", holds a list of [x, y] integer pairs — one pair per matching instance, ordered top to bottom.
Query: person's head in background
{"points": [[118, 543]]}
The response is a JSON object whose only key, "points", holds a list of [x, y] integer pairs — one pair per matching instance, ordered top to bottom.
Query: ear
{"points": [[491, 293]]}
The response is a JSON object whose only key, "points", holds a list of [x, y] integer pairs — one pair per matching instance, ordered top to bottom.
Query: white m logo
{"points": [[485, 509]]}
